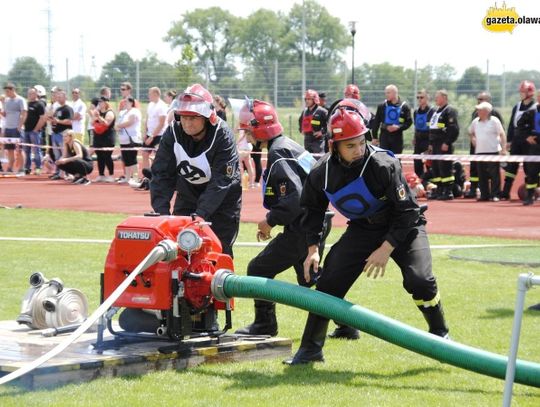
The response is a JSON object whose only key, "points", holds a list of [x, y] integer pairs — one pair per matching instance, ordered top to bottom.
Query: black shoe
{"points": [[147, 173], [55, 177], [145, 185], [447, 194], [470, 195], [504, 196], [528, 201], [535, 307], [434, 316], [265, 320], [345, 332], [312, 342], [304, 356]]}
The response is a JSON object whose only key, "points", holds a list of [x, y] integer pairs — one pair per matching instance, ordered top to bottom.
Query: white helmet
{"points": [[40, 91]]}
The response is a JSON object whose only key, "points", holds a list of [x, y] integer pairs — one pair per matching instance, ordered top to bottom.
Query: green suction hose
{"points": [[226, 285]]}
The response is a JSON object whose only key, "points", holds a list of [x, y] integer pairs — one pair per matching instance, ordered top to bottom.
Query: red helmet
{"points": [[528, 88], [351, 91], [312, 94], [197, 101], [354, 105], [261, 119], [346, 124], [412, 179]]}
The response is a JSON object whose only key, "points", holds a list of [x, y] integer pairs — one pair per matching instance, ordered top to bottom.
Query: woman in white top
{"points": [[172, 104], [128, 129], [244, 148]]}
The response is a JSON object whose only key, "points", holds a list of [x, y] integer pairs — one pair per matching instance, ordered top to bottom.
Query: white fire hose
{"points": [[166, 250]]}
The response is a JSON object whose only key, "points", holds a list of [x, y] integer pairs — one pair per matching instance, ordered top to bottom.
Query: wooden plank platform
{"points": [[81, 362]]}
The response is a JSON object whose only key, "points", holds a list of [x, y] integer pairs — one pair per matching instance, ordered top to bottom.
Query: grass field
{"points": [[479, 301]]}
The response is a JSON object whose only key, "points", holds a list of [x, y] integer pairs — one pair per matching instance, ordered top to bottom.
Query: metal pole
{"points": [[352, 25], [49, 40], [303, 49], [207, 73], [487, 75], [67, 76], [137, 80], [276, 83], [415, 84], [503, 93], [525, 281]]}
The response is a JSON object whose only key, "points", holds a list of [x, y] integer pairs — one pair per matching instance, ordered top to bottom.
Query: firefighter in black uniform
{"points": [[322, 100], [393, 116], [422, 116], [312, 123], [529, 126], [443, 132], [516, 139], [197, 158], [473, 169], [286, 170], [366, 185]]}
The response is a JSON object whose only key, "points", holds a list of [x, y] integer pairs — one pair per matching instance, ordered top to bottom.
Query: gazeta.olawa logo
{"points": [[505, 19]]}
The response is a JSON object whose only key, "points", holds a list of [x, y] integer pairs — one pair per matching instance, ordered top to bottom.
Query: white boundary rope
{"points": [[465, 158], [250, 244]]}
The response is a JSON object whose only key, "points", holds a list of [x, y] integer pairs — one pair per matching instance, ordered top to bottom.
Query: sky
{"points": [[399, 32]]}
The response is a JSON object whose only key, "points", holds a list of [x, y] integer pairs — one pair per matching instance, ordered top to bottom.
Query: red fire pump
{"points": [[177, 292]]}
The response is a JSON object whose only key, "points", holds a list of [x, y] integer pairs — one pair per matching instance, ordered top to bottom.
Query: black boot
{"points": [[447, 194], [504, 195], [529, 199], [434, 316], [265, 320], [345, 332], [312, 342]]}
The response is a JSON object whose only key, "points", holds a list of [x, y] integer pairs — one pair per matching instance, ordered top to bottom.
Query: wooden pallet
{"points": [[81, 362]]}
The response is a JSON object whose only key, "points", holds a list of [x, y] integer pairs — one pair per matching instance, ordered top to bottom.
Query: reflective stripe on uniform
{"points": [[315, 122], [509, 175], [448, 179], [474, 179], [435, 180], [531, 186], [431, 303]]}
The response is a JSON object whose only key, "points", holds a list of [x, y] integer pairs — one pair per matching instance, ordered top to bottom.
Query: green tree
{"points": [[208, 33], [326, 37], [259, 43], [185, 68], [120, 69], [27, 72], [154, 72], [444, 77], [374, 78], [471, 82], [86, 85]]}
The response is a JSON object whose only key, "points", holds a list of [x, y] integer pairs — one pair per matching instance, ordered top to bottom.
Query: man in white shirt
{"points": [[79, 113], [156, 115], [488, 138]]}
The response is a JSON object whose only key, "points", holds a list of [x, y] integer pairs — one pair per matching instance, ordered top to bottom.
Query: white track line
{"points": [[250, 244]]}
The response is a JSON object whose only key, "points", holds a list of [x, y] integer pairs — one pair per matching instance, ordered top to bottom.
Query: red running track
{"points": [[458, 217]]}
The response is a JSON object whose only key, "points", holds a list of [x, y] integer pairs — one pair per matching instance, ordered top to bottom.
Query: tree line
{"points": [[237, 56]]}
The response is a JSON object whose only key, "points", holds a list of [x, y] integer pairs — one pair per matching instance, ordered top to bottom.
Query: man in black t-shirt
{"points": [[60, 121], [34, 123]]}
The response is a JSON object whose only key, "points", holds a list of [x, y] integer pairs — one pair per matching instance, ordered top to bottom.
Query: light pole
{"points": [[352, 26]]}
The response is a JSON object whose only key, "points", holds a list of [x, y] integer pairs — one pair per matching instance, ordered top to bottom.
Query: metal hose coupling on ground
{"points": [[166, 250], [227, 285]]}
